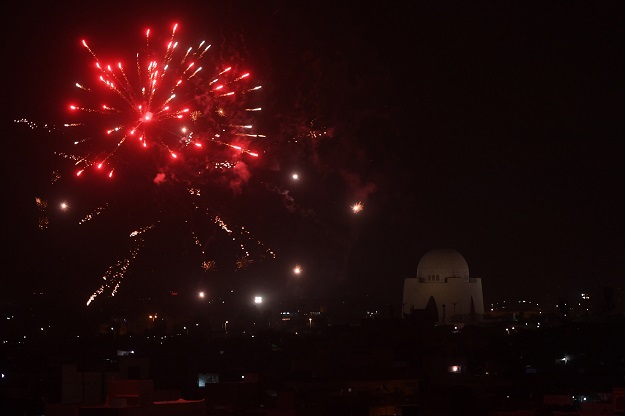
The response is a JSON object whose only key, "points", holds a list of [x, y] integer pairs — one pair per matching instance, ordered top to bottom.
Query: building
{"points": [[443, 290]]}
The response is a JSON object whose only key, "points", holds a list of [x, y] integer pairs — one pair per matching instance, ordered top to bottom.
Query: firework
{"points": [[166, 105], [173, 133]]}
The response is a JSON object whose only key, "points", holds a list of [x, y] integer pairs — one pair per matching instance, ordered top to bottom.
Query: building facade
{"points": [[443, 290]]}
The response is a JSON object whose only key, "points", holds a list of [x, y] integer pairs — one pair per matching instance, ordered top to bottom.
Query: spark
{"points": [[42, 205], [357, 207], [93, 214], [208, 265]]}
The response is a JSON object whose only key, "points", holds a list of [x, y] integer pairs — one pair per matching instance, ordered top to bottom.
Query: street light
{"points": [[310, 323], [226, 327]]}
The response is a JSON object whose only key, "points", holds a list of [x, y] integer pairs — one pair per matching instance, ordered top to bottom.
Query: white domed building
{"points": [[443, 289]]}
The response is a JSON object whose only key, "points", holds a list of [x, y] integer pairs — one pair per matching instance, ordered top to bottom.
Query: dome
{"points": [[436, 265]]}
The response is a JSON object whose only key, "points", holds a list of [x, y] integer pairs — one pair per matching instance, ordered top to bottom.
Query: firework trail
{"points": [[115, 273]]}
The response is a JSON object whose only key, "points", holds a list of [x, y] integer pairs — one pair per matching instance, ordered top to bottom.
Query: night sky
{"points": [[495, 129]]}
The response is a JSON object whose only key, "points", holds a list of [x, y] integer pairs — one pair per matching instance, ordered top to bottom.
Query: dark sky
{"points": [[495, 129]]}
